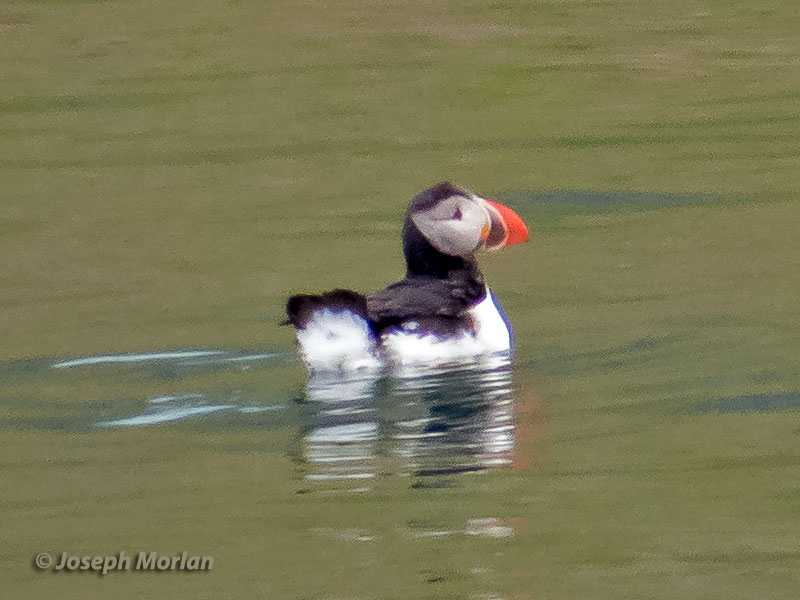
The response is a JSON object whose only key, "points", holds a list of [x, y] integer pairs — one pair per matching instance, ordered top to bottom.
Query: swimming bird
{"points": [[441, 313]]}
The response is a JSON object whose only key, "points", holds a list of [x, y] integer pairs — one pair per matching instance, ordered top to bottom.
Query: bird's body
{"points": [[441, 313], [485, 332]]}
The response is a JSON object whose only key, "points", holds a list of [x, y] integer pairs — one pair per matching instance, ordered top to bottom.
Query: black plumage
{"points": [[435, 294]]}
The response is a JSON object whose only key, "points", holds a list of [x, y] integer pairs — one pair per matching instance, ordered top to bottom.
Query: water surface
{"points": [[173, 171]]}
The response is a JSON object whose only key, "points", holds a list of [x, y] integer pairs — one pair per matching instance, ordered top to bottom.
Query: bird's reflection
{"points": [[426, 424]]}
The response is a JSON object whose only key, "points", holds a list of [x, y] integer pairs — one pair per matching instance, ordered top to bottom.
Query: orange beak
{"points": [[507, 227]]}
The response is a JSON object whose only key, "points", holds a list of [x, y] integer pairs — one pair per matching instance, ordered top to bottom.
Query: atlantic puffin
{"points": [[442, 313]]}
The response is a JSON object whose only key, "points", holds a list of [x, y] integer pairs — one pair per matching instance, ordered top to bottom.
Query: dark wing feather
{"points": [[419, 297], [301, 307]]}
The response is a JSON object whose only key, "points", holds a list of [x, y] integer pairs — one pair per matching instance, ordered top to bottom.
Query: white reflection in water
{"points": [[180, 357], [134, 358], [182, 365], [165, 409], [164, 415], [430, 424], [343, 443], [489, 527]]}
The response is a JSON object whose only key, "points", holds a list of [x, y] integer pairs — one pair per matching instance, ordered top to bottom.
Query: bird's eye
{"points": [[457, 216]]}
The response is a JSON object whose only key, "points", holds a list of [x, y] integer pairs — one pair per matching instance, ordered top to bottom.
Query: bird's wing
{"points": [[423, 297], [301, 308]]}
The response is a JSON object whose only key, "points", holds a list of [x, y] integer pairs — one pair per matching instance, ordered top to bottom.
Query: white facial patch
{"points": [[456, 226]]}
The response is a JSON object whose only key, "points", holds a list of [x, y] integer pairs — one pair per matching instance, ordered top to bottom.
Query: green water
{"points": [[171, 172]]}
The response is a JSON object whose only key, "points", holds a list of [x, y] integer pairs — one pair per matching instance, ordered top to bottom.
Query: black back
{"points": [[418, 297]]}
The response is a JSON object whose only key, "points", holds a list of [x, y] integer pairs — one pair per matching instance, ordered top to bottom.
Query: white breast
{"points": [[491, 328]]}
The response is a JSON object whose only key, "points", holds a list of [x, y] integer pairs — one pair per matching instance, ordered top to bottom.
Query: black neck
{"points": [[423, 260]]}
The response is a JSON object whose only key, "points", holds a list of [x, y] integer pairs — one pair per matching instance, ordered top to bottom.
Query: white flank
{"points": [[335, 340], [407, 347]]}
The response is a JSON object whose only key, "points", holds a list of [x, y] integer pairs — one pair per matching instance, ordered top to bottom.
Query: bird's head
{"points": [[458, 222]]}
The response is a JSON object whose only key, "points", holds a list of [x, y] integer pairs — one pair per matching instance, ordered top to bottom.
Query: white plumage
{"points": [[337, 339], [340, 340]]}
